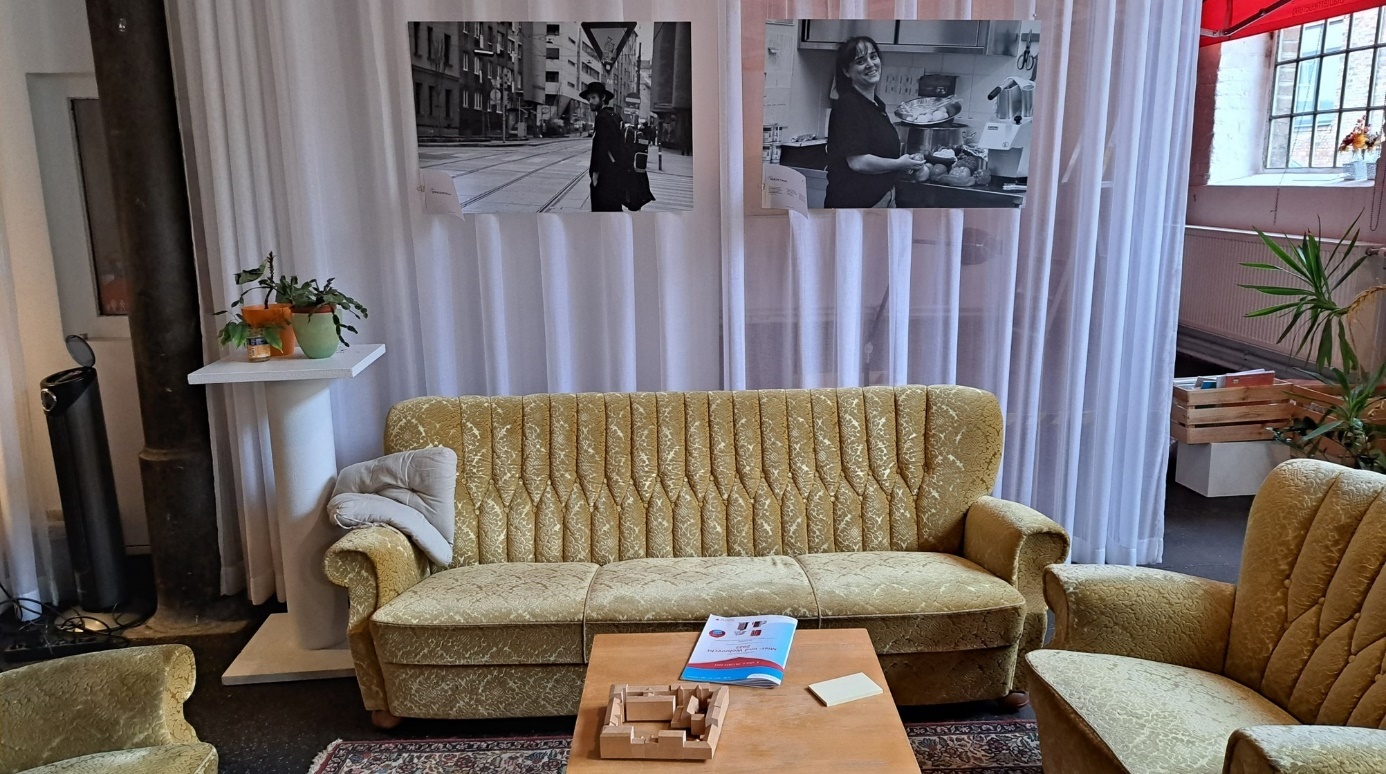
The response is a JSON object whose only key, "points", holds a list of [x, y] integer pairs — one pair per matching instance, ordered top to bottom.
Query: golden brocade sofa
{"points": [[583, 514], [1283, 673]]}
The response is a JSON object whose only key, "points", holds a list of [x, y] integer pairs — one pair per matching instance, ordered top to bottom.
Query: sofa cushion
{"points": [[651, 595], [913, 602], [505, 613], [1136, 715], [194, 758]]}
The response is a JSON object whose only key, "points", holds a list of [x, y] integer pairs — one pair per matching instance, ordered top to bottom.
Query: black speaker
{"points": [[77, 429]]}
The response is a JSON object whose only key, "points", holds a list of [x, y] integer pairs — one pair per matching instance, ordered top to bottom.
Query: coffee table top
{"points": [[766, 728]]}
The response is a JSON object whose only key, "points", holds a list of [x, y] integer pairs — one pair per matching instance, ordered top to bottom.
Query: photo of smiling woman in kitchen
{"points": [[884, 113], [864, 157]]}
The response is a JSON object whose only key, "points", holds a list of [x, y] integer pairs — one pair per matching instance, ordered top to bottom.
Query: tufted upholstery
{"points": [[607, 477], [842, 507], [1303, 633], [118, 711]]}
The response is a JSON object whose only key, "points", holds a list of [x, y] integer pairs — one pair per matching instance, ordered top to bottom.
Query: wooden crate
{"points": [[1230, 413]]}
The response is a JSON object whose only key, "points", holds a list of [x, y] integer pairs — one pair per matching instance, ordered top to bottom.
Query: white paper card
{"points": [[782, 188], [440, 195], [844, 689]]}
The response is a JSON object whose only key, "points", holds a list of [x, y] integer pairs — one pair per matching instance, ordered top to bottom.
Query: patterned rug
{"points": [[969, 747]]}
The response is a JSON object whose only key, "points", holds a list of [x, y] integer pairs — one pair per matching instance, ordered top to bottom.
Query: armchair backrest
{"points": [[600, 477], [1309, 621]]}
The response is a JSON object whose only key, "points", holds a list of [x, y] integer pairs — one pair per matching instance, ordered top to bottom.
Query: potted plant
{"points": [[1360, 140], [267, 316], [317, 316], [259, 342], [1346, 422]]}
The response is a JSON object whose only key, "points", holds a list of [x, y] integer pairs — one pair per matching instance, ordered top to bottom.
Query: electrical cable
{"points": [[53, 627]]}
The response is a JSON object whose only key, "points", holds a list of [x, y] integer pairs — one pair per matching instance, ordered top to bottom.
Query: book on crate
{"points": [[749, 650]]}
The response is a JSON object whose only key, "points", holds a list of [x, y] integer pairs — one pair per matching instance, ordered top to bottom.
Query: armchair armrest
{"points": [[1015, 543], [375, 564], [1140, 612], [95, 702], [1306, 750]]}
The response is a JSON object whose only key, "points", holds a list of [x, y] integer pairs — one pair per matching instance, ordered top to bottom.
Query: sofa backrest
{"points": [[600, 477], [1309, 620]]}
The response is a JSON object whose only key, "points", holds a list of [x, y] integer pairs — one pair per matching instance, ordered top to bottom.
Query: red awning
{"points": [[1232, 19]]}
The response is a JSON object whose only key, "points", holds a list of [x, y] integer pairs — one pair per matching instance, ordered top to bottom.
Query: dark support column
{"points": [[134, 76]]}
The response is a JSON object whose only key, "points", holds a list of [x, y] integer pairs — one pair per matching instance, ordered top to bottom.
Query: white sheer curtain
{"points": [[300, 141], [1065, 309], [25, 553]]}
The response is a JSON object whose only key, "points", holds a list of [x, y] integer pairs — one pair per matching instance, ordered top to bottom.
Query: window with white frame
{"points": [[1327, 76]]}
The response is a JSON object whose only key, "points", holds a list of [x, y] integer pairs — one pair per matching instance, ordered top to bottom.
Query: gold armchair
{"points": [[1153, 671], [115, 711]]}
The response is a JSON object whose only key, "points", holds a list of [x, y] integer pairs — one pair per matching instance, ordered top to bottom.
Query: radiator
{"points": [[1212, 306]]}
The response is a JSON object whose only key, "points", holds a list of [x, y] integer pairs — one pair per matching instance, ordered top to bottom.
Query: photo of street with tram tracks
{"points": [[556, 117]]}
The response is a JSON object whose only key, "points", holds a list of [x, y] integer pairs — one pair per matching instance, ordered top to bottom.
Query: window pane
{"points": [[1364, 27], [1335, 37], [1311, 40], [1289, 44], [1379, 78], [1359, 79], [1331, 82], [1305, 85], [1284, 95], [1348, 122], [1301, 139], [1325, 139], [1279, 144], [103, 232]]}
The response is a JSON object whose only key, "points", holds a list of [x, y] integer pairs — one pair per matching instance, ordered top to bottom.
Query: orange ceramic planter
{"points": [[276, 316]]}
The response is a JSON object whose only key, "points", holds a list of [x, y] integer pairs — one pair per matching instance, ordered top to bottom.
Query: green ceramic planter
{"points": [[317, 336]]}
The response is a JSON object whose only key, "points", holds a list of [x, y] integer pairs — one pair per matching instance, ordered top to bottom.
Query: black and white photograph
{"points": [[914, 114], [556, 116]]}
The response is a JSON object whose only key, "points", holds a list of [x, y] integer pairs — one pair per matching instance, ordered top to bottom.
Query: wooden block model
{"points": [[698, 710]]}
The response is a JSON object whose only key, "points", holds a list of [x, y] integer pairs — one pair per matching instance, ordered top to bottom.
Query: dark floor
{"points": [[273, 728]]}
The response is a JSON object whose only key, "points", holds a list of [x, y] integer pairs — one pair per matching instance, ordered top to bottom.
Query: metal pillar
{"points": [[134, 76]]}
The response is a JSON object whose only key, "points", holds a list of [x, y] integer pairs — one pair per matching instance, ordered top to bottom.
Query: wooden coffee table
{"points": [[767, 729]]}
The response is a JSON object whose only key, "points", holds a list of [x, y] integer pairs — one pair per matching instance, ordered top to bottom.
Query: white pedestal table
{"points": [[309, 641]]}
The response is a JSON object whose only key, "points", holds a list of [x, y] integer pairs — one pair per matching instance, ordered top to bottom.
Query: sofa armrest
{"points": [[1015, 543], [375, 564], [1140, 612], [96, 702], [1306, 750]]}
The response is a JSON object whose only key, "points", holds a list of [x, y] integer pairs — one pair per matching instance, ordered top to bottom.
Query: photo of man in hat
{"points": [[519, 115], [608, 168]]}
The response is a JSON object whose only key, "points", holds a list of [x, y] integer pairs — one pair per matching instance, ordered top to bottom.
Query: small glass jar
{"points": [[257, 349]]}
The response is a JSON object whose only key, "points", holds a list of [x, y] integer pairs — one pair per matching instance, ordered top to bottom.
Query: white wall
{"points": [[52, 37]]}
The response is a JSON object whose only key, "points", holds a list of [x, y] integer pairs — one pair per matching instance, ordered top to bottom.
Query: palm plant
{"points": [[1313, 305], [1309, 307], [1348, 427]]}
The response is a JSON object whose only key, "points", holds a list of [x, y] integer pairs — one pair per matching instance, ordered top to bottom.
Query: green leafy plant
{"points": [[262, 278], [1316, 278], [310, 297], [1321, 322], [237, 332], [1348, 427]]}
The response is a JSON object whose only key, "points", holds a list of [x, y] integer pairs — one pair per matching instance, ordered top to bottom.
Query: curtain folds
{"points": [[299, 142], [1065, 309]]}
